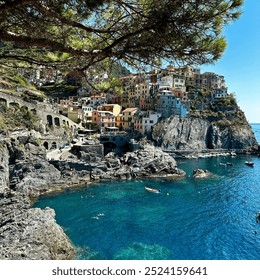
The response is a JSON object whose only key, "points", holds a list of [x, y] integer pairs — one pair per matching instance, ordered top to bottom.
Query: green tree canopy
{"points": [[79, 34]]}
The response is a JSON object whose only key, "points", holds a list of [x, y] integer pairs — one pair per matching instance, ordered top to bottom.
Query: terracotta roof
{"points": [[130, 109]]}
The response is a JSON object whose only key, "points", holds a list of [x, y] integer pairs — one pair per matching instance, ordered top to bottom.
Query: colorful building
{"points": [[168, 104], [115, 109], [127, 118], [103, 119], [145, 120]]}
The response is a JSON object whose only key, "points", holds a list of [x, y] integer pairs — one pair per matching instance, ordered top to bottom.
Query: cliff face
{"points": [[176, 133], [197, 133], [231, 137], [4, 168], [25, 232], [30, 233]]}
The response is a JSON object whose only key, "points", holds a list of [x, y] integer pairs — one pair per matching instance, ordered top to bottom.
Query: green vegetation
{"points": [[79, 34], [11, 79], [18, 80], [15, 84], [114, 85], [60, 89], [230, 100], [224, 112], [17, 117], [222, 124]]}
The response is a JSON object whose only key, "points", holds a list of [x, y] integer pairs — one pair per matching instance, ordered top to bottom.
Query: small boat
{"points": [[233, 154], [229, 163], [249, 163], [152, 190]]}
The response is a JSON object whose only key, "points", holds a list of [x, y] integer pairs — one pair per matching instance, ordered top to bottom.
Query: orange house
{"points": [[103, 119]]}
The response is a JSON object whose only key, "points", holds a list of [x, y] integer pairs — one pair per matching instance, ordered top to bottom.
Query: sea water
{"points": [[256, 129], [213, 218]]}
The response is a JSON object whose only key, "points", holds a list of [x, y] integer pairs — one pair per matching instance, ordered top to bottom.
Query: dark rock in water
{"points": [[200, 173], [258, 217]]}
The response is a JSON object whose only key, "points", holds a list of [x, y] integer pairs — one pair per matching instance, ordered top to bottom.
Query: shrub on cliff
{"points": [[17, 117], [222, 124]]}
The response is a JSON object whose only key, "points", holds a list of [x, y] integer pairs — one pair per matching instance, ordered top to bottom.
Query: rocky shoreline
{"points": [[26, 232], [32, 233]]}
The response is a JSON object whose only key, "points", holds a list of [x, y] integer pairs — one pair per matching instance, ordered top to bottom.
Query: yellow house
{"points": [[113, 108], [127, 118]]}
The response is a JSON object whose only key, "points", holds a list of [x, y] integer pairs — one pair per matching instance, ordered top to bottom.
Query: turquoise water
{"points": [[256, 129], [190, 219]]}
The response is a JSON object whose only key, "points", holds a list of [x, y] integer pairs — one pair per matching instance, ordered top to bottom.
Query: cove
{"points": [[211, 218]]}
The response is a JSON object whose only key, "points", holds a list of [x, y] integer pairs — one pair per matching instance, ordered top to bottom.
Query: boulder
{"points": [[147, 162], [200, 173]]}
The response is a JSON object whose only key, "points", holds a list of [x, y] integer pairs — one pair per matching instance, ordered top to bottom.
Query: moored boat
{"points": [[249, 163], [149, 189]]}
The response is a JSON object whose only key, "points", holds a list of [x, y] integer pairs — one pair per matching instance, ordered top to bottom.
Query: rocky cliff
{"points": [[198, 133], [148, 161], [25, 232], [32, 233]]}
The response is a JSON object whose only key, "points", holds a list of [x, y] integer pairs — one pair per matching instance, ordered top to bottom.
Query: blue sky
{"points": [[240, 63]]}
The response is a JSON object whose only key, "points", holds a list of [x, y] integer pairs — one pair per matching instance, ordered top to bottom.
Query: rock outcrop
{"points": [[177, 133], [181, 133], [231, 137], [149, 161], [4, 168], [200, 173], [25, 232], [30, 233]]}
